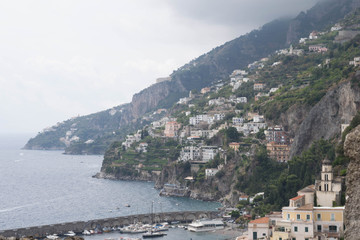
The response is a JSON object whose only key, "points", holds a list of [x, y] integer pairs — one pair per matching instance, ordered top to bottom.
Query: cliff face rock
{"points": [[150, 97], [293, 117], [324, 120], [352, 206]]}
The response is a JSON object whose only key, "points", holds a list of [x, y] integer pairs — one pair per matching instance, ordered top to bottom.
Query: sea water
{"points": [[46, 187]]}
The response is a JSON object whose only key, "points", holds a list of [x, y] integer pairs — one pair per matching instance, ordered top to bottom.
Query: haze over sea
{"points": [[45, 187]]}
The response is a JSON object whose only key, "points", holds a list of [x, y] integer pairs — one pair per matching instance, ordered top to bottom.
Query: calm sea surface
{"points": [[45, 187]]}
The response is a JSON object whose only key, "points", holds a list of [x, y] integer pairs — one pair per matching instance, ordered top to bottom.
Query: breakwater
{"points": [[80, 226]]}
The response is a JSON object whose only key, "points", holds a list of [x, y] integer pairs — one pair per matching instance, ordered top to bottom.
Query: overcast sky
{"points": [[64, 58]]}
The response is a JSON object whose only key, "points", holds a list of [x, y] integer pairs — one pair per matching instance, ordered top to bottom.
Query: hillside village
{"points": [[216, 131]]}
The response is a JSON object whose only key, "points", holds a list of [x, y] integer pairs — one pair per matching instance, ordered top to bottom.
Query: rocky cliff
{"points": [[150, 97], [338, 106], [352, 207]]}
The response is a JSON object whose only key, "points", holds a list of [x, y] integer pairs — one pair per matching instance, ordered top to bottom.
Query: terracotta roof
{"points": [[297, 198], [260, 220]]}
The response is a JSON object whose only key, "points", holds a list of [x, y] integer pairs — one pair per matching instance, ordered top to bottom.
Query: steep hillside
{"points": [[323, 15], [93, 133], [223, 148]]}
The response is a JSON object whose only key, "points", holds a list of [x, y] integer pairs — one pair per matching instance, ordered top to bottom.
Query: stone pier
{"points": [[80, 226]]}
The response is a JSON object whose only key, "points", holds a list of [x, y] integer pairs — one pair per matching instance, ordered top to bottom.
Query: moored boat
{"points": [[206, 225], [70, 234], [152, 234]]}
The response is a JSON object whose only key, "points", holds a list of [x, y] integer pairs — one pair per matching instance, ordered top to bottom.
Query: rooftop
{"points": [[310, 188], [297, 198], [306, 207], [260, 220]]}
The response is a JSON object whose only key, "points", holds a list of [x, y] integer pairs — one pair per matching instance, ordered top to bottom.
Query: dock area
{"points": [[80, 226]]}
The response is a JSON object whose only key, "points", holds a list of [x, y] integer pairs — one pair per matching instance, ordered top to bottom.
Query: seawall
{"points": [[80, 226]]}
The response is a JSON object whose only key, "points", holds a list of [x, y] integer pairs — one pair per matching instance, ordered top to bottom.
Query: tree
{"points": [[231, 134], [235, 214]]}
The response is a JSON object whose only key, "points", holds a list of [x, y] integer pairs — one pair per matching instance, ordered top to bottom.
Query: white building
{"points": [[336, 27], [303, 40], [236, 86], [272, 90], [184, 100], [217, 102], [218, 116], [200, 118], [206, 118], [258, 119], [238, 120], [251, 127], [204, 133], [130, 139], [142, 147], [208, 152], [190, 153], [210, 172], [259, 229]]}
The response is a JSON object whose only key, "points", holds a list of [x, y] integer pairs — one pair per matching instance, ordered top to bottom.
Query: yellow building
{"points": [[308, 222], [329, 222]]}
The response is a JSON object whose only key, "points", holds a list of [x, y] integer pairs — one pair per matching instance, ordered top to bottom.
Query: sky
{"points": [[65, 58]]}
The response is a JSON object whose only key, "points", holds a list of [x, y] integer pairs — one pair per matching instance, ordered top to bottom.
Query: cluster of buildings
{"points": [[290, 51], [237, 77], [205, 118], [252, 125], [131, 138], [198, 154], [312, 215]]}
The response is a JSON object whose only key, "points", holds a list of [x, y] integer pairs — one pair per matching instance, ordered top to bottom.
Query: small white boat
{"points": [[86, 232], [70, 234], [53, 236]]}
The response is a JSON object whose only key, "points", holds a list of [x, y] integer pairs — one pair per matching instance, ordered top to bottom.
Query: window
{"points": [[326, 177], [288, 216], [298, 216], [319, 216], [307, 217], [332, 217], [319, 228], [332, 228], [295, 229], [306, 229], [280, 238], [293, 238]]}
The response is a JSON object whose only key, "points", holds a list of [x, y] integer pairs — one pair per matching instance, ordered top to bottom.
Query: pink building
{"points": [[171, 129]]}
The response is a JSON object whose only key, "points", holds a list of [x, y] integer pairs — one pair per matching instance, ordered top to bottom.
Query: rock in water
{"points": [[352, 206]]}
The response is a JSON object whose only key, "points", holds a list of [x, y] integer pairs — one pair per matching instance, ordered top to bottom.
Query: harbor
{"points": [[109, 223]]}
